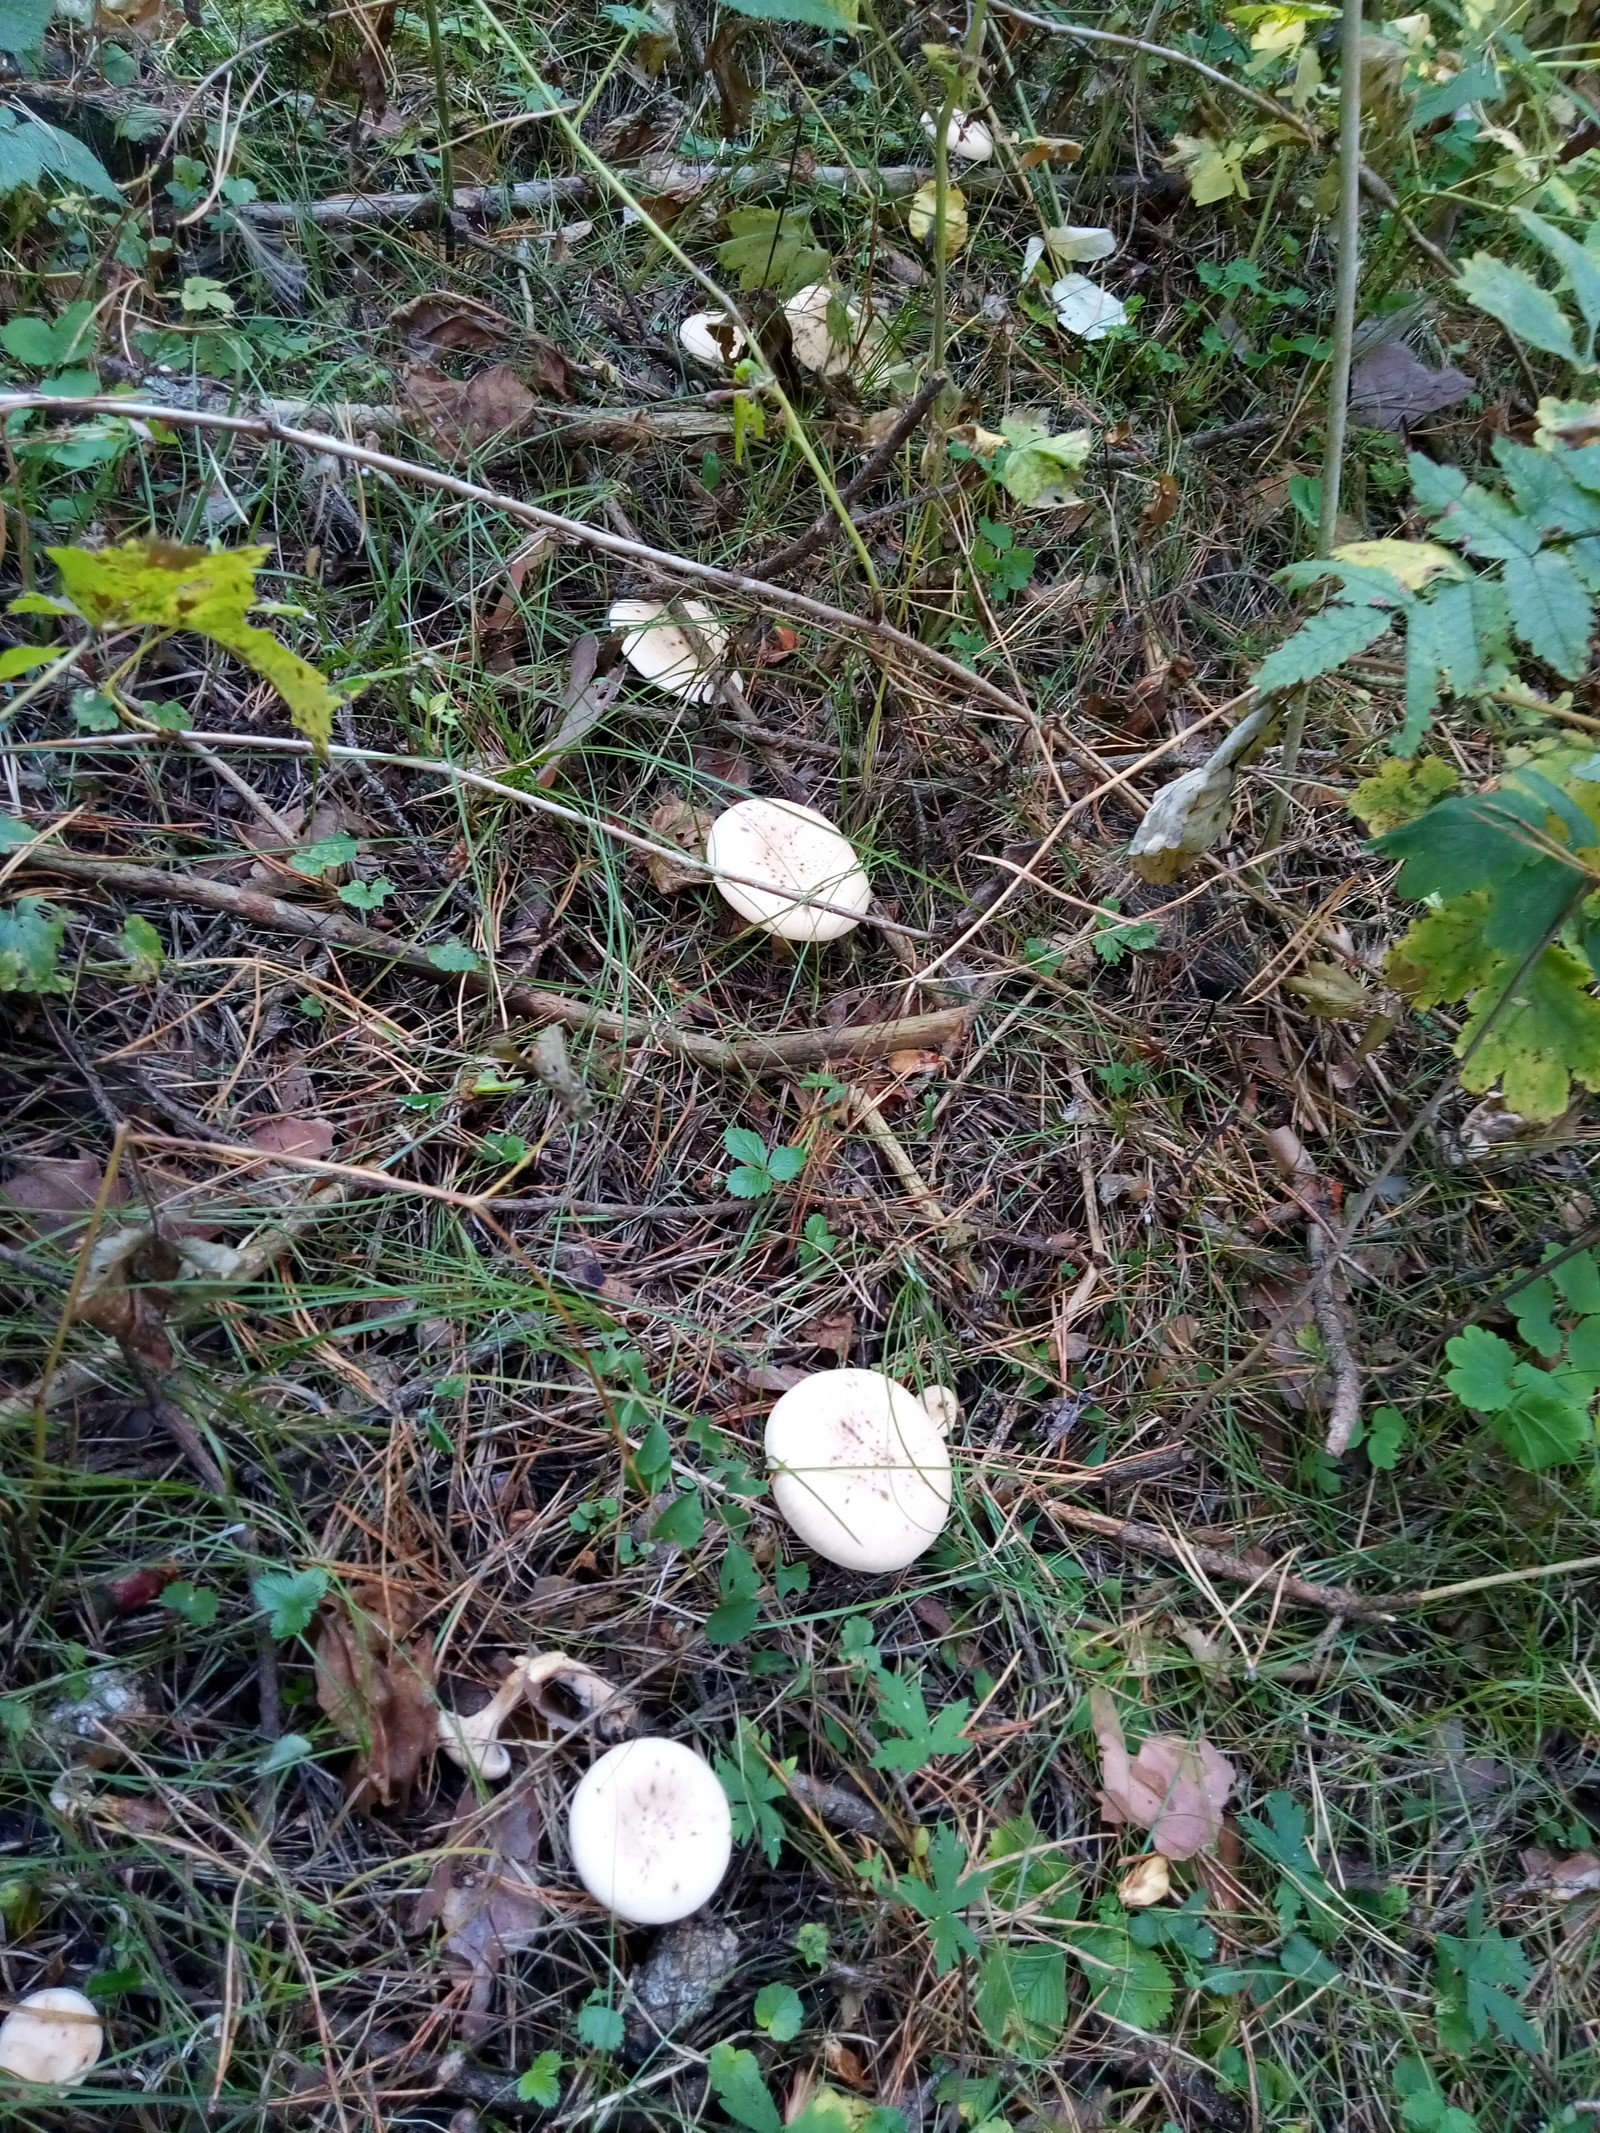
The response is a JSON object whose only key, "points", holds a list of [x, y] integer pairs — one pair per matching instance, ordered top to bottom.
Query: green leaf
{"points": [[820, 14], [23, 24], [1477, 82], [64, 156], [20, 162], [772, 248], [1580, 265], [1513, 297], [1040, 470], [164, 586], [1551, 611], [1441, 638], [1322, 643], [23, 658], [94, 713], [1401, 791], [335, 851], [366, 895], [30, 941], [143, 947], [453, 955], [1547, 1038], [745, 1146], [786, 1163], [746, 1182], [1578, 1279], [1533, 1307], [1482, 1363], [1542, 1425], [1386, 1433], [682, 1522], [739, 1582], [289, 1598], [194, 1603], [900, 1701], [287, 1750], [752, 1786], [940, 1900], [1477, 1973], [1126, 1983], [1021, 1999], [779, 2012], [600, 2026], [736, 2082], [541, 2083]]}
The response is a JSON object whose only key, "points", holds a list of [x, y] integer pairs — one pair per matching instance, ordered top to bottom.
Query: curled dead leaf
{"points": [[440, 318], [469, 411], [1192, 813], [676, 821], [1331, 992], [378, 1690], [1175, 1788], [1148, 1881]]}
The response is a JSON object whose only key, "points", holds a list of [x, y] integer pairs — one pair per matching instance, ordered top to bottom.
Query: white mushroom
{"points": [[966, 138], [809, 335], [712, 338], [678, 659], [794, 847], [943, 1408], [860, 1469], [473, 1742], [650, 1831], [51, 2036]]}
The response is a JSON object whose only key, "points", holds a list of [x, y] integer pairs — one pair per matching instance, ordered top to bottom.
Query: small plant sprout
{"points": [[967, 138], [711, 337], [678, 648], [793, 846], [860, 1467], [650, 1831], [52, 2036]]}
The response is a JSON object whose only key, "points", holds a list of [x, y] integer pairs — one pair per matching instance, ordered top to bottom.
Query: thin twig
{"points": [[1344, 297], [1151, 1540]]}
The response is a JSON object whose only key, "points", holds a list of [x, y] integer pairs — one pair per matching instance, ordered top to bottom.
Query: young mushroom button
{"points": [[794, 846], [860, 1467], [650, 1831], [51, 2036]]}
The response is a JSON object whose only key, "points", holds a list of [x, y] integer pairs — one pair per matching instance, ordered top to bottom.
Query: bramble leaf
{"points": [[1512, 296], [1550, 610], [1322, 643], [1443, 955], [1126, 1983], [1021, 1999]]}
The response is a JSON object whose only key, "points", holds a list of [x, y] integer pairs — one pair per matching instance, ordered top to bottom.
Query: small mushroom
{"points": [[966, 138], [810, 336], [712, 338], [679, 660], [780, 841], [860, 1468], [473, 1742], [650, 1831], [51, 2036]]}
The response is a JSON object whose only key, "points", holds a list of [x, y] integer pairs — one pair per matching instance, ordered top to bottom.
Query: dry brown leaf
{"points": [[440, 318], [1391, 387], [469, 411], [1163, 505], [505, 621], [585, 700], [675, 821], [916, 1062], [293, 1136], [53, 1191], [125, 1293], [834, 1331], [133, 1589], [378, 1690], [1174, 1788], [1562, 1875], [489, 1907]]}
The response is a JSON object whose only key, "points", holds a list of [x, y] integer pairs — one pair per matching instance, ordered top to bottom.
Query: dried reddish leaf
{"points": [[441, 319], [469, 411], [1163, 505], [505, 620], [293, 1136], [53, 1191], [125, 1293], [834, 1331], [125, 1595], [378, 1690], [1174, 1788], [1563, 1875], [488, 1907]]}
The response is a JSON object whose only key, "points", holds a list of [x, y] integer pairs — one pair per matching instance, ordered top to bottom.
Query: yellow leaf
{"points": [[1212, 167], [924, 213], [1412, 562], [163, 585]]}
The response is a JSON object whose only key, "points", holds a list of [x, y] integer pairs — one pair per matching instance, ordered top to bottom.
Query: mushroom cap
{"points": [[969, 139], [698, 338], [814, 346], [663, 651], [780, 841], [860, 1469], [650, 1831], [51, 2036]]}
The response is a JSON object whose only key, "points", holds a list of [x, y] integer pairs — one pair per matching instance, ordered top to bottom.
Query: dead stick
{"points": [[822, 530], [755, 1055], [1150, 1540]]}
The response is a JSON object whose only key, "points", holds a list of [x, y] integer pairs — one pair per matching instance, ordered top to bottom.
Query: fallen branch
{"points": [[661, 559], [753, 1055], [1151, 1540]]}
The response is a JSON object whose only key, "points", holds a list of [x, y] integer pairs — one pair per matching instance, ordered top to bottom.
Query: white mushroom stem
{"points": [[473, 1741], [52, 2036]]}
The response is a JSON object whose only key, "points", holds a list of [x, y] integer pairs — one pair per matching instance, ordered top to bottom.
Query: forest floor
{"points": [[374, 1285]]}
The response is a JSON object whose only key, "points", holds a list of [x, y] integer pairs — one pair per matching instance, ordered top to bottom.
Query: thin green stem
{"points": [[441, 105], [1349, 276]]}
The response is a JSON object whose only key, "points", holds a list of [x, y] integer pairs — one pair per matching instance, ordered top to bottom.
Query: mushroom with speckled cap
{"points": [[793, 847], [860, 1467], [650, 1831], [52, 2036]]}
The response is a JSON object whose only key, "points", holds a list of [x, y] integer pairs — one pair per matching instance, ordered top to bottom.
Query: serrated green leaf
{"points": [[820, 14], [19, 154], [64, 156], [772, 248], [1580, 266], [1513, 297], [1434, 485], [1545, 492], [1551, 611], [1441, 638], [1322, 643], [1401, 791], [335, 851], [366, 895], [30, 941], [143, 946], [453, 956], [1545, 1039], [745, 1145], [786, 1163], [746, 1182], [1578, 1279], [1533, 1307], [1481, 1367], [1542, 1425], [1386, 1434], [289, 1598], [195, 1603], [1126, 1983], [1021, 1999], [780, 2012], [600, 2026], [736, 2082], [541, 2083]]}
